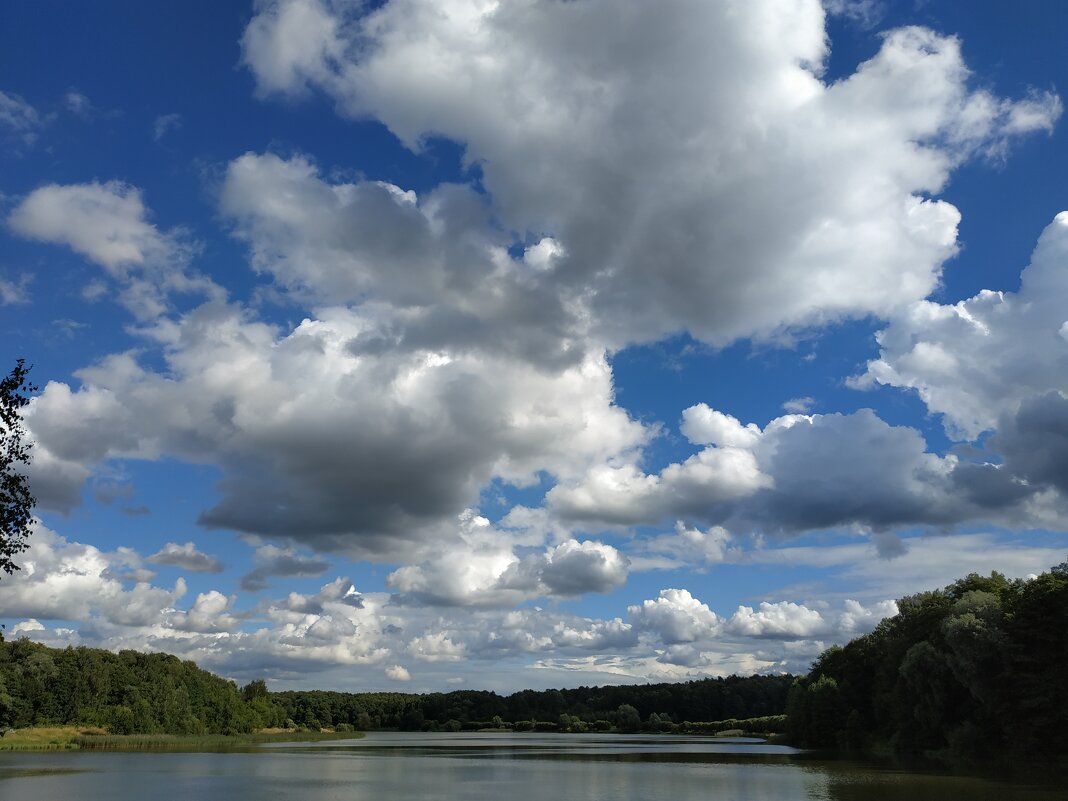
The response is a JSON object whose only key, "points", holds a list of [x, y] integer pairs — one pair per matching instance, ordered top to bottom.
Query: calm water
{"points": [[525, 767]]}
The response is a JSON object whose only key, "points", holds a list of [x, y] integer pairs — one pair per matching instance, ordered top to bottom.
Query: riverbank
{"points": [[88, 738]]}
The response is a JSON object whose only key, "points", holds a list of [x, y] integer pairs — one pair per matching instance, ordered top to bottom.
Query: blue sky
{"points": [[426, 345]]}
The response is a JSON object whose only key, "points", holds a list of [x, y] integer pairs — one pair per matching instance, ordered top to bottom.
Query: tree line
{"points": [[974, 671], [127, 693], [139, 693], [658, 707]]}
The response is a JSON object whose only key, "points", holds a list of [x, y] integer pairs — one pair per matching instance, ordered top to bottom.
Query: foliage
{"points": [[16, 501], [970, 672], [126, 693], [630, 708]]}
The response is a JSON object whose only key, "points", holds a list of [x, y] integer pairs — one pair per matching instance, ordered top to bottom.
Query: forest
{"points": [[973, 672], [138, 693]]}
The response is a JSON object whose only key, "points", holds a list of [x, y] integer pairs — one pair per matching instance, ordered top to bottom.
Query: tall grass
{"points": [[66, 738]]}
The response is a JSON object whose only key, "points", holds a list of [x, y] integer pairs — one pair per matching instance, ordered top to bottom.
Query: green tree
{"points": [[16, 501], [627, 718]]}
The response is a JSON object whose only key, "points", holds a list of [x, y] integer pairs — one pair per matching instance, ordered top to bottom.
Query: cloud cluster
{"points": [[694, 170], [371, 453], [817, 472], [484, 569], [355, 639]]}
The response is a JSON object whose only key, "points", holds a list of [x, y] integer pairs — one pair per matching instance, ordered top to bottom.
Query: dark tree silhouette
{"points": [[16, 500]]}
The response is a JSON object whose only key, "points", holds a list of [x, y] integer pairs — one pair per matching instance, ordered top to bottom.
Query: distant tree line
{"points": [[974, 671], [643, 707]]}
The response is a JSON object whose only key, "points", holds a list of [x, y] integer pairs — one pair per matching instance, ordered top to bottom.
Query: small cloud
{"points": [[865, 14], [77, 103], [20, 117], [165, 123], [94, 291], [13, 292], [69, 329], [799, 405], [107, 492], [135, 511], [186, 556], [274, 561], [27, 626], [398, 673]]}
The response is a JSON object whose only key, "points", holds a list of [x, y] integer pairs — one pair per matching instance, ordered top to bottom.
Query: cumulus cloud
{"points": [[712, 110], [108, 224], [431, 272], [14, 291], [972, 362], [357, 451], [805, 472], [686, 547], [187, 557], [271, 560], [485, 570], [74, 581], [675, 616], [782, 619], [436, 647], [397, 673]]}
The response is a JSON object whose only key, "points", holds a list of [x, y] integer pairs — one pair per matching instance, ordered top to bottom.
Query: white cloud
{"points": [[77, 103], [19, 116], [164, 124], [653, 146], [106, 223], [16, 291], [978, 359], [799, 405], [370, 453], [809, 472], [187, 557], [675, 616], [782, 619], [860, 619], [27, 626], [436, 647], [397, 673]]}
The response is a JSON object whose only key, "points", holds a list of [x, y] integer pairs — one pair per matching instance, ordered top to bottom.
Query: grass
{"points": [[45, 738], [85, 738]]}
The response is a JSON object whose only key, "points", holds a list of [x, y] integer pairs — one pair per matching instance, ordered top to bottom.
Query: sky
{"points": [[437, 344]]}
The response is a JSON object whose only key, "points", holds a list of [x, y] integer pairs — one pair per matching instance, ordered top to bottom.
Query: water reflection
{"points": [[480, 767]]}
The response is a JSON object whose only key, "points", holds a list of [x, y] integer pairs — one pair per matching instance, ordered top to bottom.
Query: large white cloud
{"points": [[693, 168], [429, 272], [978, 359], [356, 450], [804, 472]]}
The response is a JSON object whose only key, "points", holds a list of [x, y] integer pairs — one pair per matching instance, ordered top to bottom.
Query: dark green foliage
{"points": [[16, 501], [970, 672], [127, 693], [584, 708]]}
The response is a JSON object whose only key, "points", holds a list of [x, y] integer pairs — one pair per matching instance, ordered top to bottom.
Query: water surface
{"points": [[514, 767]]}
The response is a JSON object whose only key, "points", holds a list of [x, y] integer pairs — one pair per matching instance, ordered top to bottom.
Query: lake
{"points": [[388, 766]]}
